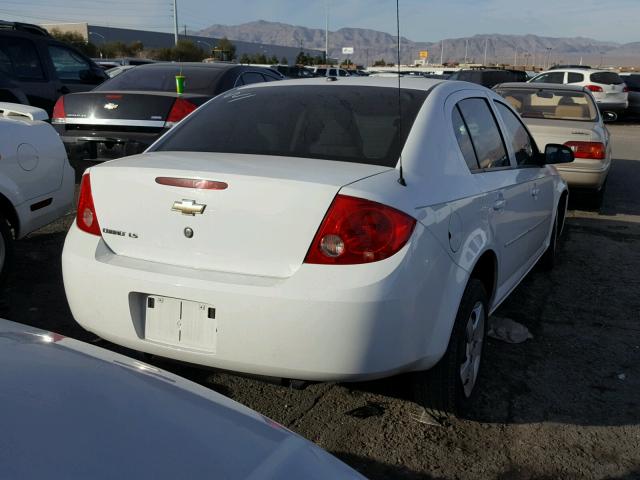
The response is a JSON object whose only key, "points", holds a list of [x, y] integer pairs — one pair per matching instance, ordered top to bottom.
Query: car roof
{"points": [[213, 66], [578, 70], [415, 83], [539, 86]]}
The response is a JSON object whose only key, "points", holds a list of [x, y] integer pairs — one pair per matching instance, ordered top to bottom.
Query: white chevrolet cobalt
{"points": [[306, 229]]}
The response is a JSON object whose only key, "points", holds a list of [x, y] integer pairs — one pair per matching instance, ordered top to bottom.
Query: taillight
{"points": [[595, 88], [625, 89], [181, 108], [58, 115], [591, 150], [86, 217], [356, 230]]}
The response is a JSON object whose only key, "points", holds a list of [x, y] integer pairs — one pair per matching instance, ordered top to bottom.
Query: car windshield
{"points": [[200, 80], [551, 104], [345, 123]]}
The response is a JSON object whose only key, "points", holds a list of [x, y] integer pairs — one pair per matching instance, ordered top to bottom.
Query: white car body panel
{"points": [[33, 168], [326, 322], [92, 413]]}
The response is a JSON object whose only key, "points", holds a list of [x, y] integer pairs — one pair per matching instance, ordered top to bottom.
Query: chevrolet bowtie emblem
{"points": [[110, 106], [188, 207]]}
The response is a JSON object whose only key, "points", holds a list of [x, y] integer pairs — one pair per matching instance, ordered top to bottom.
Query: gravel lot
{"points": [[565, 404]]}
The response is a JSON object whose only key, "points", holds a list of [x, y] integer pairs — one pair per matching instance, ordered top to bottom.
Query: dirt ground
{"points": [[563, 405]]}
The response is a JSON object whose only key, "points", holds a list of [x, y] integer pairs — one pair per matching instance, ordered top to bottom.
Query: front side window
{"points": [[19, 59], [68, 64], [552, 77], [350, 124], [485, 133], [517, 135]]}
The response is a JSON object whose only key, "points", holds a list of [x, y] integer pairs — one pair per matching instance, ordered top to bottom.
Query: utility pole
{"points": [[175, 20], [185, 31], [326, 34], [486, 44], [466, 50], [442, 52], [515, 57]]}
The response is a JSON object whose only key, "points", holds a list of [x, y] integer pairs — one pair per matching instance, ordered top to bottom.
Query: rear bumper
{"points": [[617, 107], [105, 145], [592, 178], [41, 211], [322, 323]]}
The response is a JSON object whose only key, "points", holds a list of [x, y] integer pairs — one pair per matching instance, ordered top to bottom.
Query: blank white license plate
{"points": [[181, 323]]}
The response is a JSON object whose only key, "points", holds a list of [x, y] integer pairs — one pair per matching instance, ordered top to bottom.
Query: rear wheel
{"points": [[6, 248], [450, 387]]}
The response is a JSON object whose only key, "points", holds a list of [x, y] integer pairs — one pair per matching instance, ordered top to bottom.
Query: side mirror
{"points": [[609, 116], [556, 153]]}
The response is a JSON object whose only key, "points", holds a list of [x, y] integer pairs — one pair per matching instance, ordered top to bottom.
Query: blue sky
{"points": [[421, 20]]}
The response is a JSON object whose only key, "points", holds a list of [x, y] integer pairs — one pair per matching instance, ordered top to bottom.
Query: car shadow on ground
{"points": [[583, 365]]}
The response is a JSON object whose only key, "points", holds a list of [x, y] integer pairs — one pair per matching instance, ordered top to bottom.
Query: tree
{"points": [[75, 40], [225, 49], [184, 51], [245, 58], [302, 59], [284, 61], [380, 63]]}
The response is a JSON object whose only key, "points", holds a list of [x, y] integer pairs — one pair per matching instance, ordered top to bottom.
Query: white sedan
{"points": [[36, 180], [303, 229], [75, 411]]}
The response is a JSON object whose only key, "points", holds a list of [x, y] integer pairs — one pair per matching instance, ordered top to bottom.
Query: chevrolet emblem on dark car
{"points": [[110, 106], [188, 207]]}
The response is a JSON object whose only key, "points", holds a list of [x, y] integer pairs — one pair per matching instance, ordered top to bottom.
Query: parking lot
{"points": [[562, 405]]}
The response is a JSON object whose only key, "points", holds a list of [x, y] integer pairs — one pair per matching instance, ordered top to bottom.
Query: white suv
{"points": [[607, 87]]}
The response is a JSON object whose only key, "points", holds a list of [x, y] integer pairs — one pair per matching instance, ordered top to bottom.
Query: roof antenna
{"points": [[401, 177]]}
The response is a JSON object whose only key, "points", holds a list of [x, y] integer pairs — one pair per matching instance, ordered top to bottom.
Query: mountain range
{"points": [[371, 45]]}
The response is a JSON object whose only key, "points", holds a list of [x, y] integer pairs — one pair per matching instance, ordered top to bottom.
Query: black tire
{"points": [[599, 196], [6, 249], [550, 256], [440, 390]]}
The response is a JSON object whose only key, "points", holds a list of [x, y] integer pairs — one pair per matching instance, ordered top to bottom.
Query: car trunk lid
{"points": [[259, 219]]}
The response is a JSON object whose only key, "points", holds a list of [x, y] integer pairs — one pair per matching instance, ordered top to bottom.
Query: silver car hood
{"points": [[73, 410]]}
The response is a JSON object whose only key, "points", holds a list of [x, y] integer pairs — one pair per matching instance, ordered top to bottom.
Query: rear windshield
{"points": [[607, 78], [200, 80], [551, 104], [332, 122]]}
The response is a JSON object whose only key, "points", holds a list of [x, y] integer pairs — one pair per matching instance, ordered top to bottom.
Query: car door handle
{"points": [[535, 191], [499, 204]]}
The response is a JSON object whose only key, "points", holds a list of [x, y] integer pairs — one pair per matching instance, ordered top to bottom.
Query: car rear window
{"points": [[606, 78], [200, 80], [551, 104], [332, 122]]}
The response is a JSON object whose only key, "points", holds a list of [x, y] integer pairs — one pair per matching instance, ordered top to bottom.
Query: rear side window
{"points": [[19, 59], [252, 77], [574, 77], [606, 78], [163, 79], [350, 124], [484, 132], [517, 135], [464, 140]]}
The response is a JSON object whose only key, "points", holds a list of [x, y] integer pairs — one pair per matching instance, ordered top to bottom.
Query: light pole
{"points": [[175, 21], [326, 33], [104, 40], [207, 44], [486, 44], [466, 50], [442, 52], [548, 58]]}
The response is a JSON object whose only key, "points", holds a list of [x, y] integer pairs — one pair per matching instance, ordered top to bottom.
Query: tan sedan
{"points": [[566, 114]]}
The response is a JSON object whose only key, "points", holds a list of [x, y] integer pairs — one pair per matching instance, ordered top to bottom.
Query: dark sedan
{"points": [[127, 113]]}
